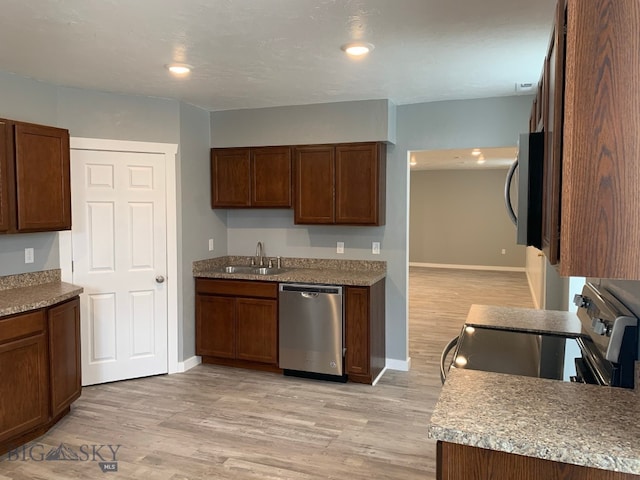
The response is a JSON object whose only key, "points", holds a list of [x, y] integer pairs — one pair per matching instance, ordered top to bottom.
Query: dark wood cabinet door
{"points": [[553, 123], [5, 154], [601, 168], [42, 170], [314, 171], [230, 177], [271, 177], [359, 183], [215, 326], [357, 330], [257, 338], [64, 354], [24, 385], [462, 462]]}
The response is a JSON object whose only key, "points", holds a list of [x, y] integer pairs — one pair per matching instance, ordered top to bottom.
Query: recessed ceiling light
{"points": [[357, 49], [180, 69], [475, 152], [481, 160], [413, 163]]}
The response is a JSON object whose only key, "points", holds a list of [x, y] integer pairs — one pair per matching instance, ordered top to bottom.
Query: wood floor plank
{"points": [[215, 422]]}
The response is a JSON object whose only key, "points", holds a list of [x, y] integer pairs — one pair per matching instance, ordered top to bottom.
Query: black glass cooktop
{"points": [[517, 353]]}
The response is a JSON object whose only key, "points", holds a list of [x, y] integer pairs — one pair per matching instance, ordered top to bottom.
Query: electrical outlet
{"points": [[211, 244], [340, 247], [375, 248], [504, 251], [28, 255]]}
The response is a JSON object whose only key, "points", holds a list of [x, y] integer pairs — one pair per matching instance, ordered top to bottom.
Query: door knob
{"points": [[159, 279]]}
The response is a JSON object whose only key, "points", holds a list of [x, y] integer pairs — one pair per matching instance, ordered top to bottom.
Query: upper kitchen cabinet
{"points": [[552, 113], [591, 118], [5, 141], [230, 177], [251, 177], [314, 184], [340, 184], [35, 191], [600, 223]]}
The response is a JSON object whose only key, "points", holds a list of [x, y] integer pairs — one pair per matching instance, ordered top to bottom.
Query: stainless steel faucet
{"points": [[260, 254]]}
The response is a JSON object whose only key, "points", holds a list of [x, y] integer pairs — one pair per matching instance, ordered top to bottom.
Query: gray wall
{"points": [[30, 101], [93, 114], [363, 121], [491, 122], [324, 123], [458, 124], [458, 217], [197, 222]]}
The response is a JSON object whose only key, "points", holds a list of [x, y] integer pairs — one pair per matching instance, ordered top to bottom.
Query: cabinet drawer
{"points": [[237, 288], [21, 325]]}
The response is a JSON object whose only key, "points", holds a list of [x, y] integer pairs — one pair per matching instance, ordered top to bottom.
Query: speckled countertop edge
{"points": [[300, 270], [24, 299], [525, 319], [548, 419]]}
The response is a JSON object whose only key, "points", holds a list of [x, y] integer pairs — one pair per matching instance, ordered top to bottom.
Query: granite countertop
{"points": [[300, 270], [24, 292], [526, 319], [572, 423], [588, 425]]}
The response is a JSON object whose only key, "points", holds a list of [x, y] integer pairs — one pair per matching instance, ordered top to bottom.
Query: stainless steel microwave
{"points": [[530, 168]]}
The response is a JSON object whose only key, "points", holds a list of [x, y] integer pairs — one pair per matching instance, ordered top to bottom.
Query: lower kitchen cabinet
{"points": [[237, 322], [237, 325], [215, 326], [257, 326], [365, 332], [64, 354], [39, 371], [24, 374], [462, 462]]}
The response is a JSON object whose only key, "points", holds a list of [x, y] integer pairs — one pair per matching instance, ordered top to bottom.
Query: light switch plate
{"points": [[211, 244], [340, 247], [375, 248], [28, 255]]}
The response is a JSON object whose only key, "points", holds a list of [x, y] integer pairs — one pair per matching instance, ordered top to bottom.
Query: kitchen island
{"points": [[237, 313], [534, 427]]}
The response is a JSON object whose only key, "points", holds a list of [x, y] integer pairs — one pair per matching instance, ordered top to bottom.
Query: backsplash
{"points": [[292, 262], [29, 279]]}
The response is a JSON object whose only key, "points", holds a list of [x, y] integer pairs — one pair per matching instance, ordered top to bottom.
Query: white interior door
{"points": [[120, 258]]}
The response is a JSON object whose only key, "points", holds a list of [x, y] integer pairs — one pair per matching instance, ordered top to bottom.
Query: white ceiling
{"points": [[261, 53], [463, 159]]}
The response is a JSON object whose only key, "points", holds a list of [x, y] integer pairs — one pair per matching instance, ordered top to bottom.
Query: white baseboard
{"points": [[468, 267], [189, 363], [400, 365], [379, 376]]}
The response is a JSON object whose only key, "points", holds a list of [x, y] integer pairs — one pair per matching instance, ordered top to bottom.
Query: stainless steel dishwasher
{"points": [[311, 332]]}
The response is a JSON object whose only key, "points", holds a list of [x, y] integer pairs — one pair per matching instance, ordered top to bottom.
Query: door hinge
{"points": [[72, 265]]}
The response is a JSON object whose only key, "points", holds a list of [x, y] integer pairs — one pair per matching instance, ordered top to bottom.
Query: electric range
{"points": [[603, 353]]}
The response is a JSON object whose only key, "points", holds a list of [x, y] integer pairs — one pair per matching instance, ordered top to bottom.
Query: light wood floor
{"points": [[222, 423]]}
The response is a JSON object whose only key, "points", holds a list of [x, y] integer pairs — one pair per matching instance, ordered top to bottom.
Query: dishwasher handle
{"points": [[312, 289], [309, 294]]}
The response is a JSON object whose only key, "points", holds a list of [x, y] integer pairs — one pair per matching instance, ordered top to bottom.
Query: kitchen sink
{"points": [[237, 269], [252, 270], [268, 271]]}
